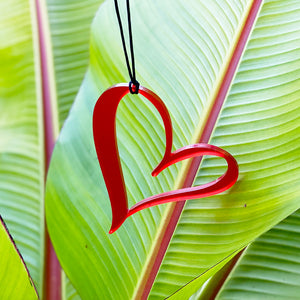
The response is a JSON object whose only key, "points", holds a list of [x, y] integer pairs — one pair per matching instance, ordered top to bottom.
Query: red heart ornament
{"points": [[104, 129]]}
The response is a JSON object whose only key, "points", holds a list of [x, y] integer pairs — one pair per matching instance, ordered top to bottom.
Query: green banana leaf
{"points": [[69, 23], [182, 50], [259, 124], [21, 135], [22, 161], [269, 268], [15, 280], [203, 280], [68, 290]]}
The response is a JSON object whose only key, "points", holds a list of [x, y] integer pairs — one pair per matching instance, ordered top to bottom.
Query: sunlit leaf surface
{"points": [[182, 48], [21, 134], [270, 268], [15, 280]]}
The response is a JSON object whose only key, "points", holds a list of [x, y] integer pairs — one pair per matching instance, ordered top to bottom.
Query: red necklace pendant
{"points": [[104, 129]]}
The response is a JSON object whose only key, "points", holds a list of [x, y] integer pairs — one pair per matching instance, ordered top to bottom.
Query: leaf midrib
{"points": [[48, 120]]}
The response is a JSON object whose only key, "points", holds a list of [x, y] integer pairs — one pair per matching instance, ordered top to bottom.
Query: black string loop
{"points": [[133, 84]]}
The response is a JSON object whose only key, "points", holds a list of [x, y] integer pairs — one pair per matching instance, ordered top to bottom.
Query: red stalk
{"points": [[218, 102], [52, 269], [52, 272]]}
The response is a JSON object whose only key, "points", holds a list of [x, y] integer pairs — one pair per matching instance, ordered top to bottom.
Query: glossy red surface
{"points": [[104, 128]]}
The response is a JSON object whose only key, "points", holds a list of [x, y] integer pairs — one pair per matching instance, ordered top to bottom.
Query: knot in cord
{"points": [[134, 87]]}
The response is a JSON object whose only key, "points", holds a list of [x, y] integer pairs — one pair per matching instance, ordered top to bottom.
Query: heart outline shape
{"points": [[104, 131]]}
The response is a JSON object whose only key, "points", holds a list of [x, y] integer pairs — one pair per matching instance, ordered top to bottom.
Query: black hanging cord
{"points": [[133, 84]]}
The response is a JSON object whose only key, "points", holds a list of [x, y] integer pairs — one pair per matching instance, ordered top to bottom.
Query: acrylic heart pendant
{"points": [[104, 129]]}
